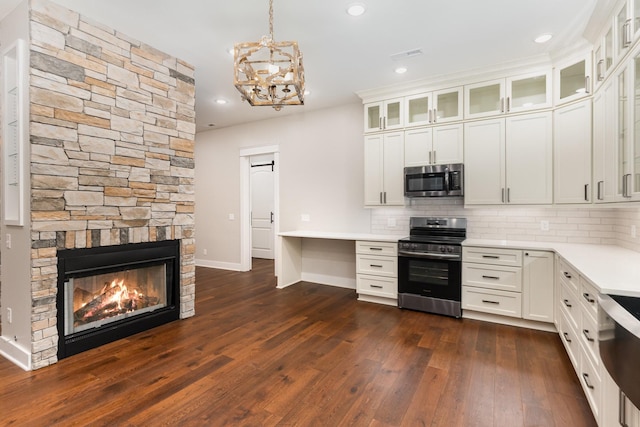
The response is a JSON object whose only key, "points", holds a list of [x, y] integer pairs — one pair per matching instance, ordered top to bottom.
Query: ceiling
{"points": [[342, 54]]}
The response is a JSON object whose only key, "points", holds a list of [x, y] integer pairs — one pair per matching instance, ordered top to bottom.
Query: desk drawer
{"points": [[377, 248], [377, 265], [492, 277], [378, 286], [491, 301]]}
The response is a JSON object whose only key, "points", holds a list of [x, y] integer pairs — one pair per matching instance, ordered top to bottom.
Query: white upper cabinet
{"points": [[603, 56], [573, 79], [510, 95], [441, 106], [384, 115], [604, 143], [433, 145], [572, 153], [509, 161], [383, 169]]}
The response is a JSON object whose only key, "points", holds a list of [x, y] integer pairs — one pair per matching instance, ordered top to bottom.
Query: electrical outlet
{"points": [[232, 217], [305, 217], [544, 225], [633, 231], [204, 252], [9, 315]]}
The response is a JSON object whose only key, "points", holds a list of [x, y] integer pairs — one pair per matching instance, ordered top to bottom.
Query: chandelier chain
{"points": [[271, 18]]}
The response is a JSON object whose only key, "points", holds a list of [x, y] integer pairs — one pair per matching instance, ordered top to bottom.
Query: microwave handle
{"points": [[446, 181]]}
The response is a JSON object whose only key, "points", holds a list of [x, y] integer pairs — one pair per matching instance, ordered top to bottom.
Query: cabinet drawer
{"points": [[377, 248], [509, 257], [377, 265], [568, 275], [492, 277], [377, 286], [589, 297], [492, 301], [569, 304], [589, 337], [570, 340], [590, 380]]}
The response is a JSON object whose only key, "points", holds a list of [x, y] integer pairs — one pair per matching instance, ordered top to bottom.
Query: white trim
{"points": [[245, 201], [234, 266], [511, 321], [15, 353]]}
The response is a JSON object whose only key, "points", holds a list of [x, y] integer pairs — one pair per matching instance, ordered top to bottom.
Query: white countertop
{"points": [[342, 236], [611, 269]]}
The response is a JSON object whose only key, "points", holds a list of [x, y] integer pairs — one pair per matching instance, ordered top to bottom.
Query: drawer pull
{"points": [[375, 249], [491, 256], [375, 265], [566, 274], [491, 277], [376, 286], [588, 298], [490, 302], [566, 302], [587, 336], [566, 337], [586, 381]]}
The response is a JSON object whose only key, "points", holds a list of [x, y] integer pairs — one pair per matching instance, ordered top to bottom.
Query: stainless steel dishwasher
{"points": [[619, 342]]}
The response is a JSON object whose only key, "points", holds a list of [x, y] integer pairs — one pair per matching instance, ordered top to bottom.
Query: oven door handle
{"points": [[428, 256]]}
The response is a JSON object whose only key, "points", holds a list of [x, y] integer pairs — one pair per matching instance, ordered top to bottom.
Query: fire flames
{"points": [[113, 299]]}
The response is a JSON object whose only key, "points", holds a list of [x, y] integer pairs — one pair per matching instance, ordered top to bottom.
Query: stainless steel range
{"points": [[430, 265]]}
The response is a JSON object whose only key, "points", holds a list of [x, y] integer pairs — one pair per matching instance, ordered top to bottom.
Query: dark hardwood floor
{"points": [[307, 355]]}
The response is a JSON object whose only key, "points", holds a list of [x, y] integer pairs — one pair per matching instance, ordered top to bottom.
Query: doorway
{"points": [[247, 157], [262, 206]]}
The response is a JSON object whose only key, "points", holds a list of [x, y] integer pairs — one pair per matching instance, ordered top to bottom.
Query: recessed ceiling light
{"points": [[356, 9], [543, 38], [230, 51], [401, 70], [221, 101]]}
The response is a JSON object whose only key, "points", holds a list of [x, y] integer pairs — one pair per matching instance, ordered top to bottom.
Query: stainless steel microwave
{"points": [[434, 181]]}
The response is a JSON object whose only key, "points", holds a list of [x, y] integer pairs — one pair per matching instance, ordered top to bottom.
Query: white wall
{"points": [[321, 175], [15, 342]]}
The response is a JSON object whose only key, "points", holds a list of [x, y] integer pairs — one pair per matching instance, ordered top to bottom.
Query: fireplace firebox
{"points": [[108, 293]]}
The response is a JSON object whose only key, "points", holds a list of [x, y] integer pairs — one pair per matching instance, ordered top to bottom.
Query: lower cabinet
{"points": [[377, 272], [508, 282]]}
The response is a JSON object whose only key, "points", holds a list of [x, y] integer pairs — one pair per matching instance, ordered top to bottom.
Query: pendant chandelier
{"points": [[269, 72]]}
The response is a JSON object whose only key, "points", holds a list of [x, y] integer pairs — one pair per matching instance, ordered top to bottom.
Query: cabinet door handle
{"points": [[626, 33], [599, 67], [587, 83], [502, 105], [508, 108], [435, 115], [430, 116], [380, 123], [384, 123], [430, 157], [434, 160], [626, 185], [600, 190], [586, 192], [503, 195], [508, 195], [381, 197], [385, 197], [375, 249], [491, 256], [375, 265], [567, 275], [491, 277], [376, 286], [588, 298], [490, 302], [566, 302], [585, 332], [566, 337], [586, 380], [622, 409]]}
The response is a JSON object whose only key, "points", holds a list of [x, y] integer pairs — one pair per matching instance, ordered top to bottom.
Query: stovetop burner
{"points": [[448, 231]]}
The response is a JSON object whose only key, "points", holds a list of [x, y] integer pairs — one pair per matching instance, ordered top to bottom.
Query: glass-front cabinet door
{"points": [[623, 30], [573, 79], [528, 92], [484, 99], [447, 106], [418, 109], [383, 115], [622, 133]]}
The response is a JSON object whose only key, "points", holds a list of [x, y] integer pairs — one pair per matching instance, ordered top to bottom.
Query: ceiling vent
{"points": [[406, 54]]}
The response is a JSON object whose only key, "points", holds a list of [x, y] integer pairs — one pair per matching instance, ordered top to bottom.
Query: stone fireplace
{"points": [[111, 143], [111, 292]]}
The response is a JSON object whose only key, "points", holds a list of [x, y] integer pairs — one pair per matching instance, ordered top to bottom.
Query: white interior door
{"points": [[262, 204]]}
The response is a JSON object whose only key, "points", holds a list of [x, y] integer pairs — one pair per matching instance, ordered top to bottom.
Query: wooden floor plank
{"points": [[305, 355]]}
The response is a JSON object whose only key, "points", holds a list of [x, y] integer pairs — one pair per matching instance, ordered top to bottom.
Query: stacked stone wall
{"points": [[112, 124]]}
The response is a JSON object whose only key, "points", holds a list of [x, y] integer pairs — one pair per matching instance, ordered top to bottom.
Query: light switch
{"points": [[8, 241]]}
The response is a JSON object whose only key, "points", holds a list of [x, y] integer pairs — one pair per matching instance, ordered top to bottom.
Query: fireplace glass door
{"points": [[93, 301]]}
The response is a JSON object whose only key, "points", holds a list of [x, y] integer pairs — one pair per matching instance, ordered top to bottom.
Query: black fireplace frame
{"points": [[107, 259]]}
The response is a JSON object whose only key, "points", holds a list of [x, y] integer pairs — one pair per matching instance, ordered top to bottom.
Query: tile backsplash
{"points": [[592, 224]]}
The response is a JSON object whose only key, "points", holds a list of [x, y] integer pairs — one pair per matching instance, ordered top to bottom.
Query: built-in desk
{"points": [[321, 257]]}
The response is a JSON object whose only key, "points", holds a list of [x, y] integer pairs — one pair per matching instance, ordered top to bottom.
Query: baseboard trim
{"points": [[219, 265], [322, 279], [511, 321], [15, 354]]}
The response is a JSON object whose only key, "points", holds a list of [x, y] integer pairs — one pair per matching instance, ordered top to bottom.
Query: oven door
{"points": [[430, 275]]}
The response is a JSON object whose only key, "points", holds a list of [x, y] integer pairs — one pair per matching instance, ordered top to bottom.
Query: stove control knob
{"points": [[414, 246], [441, 248], [449, 249]]}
